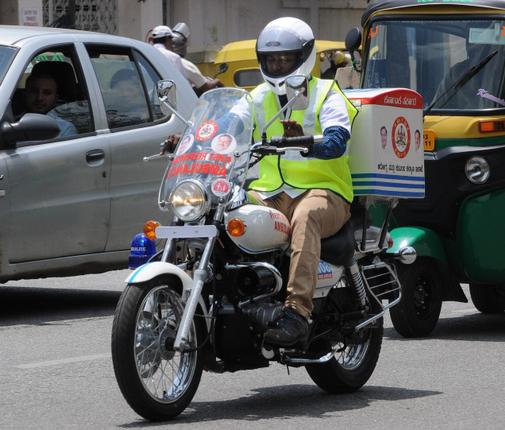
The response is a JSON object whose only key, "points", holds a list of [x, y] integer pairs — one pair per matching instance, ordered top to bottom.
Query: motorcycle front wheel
{"points": [[352, 363], [156, 381]]}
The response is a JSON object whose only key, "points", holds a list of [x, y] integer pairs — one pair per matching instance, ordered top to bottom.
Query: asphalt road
{"points": [[56, 373]]}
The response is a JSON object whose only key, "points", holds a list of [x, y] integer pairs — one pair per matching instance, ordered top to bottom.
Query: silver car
{"points": [[70, 204]]}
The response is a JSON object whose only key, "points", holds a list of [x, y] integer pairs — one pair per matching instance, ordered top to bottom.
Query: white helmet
{"points": [[161, 31], [282, 36]]}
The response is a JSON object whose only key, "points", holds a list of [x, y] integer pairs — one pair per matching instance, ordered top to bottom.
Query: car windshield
{"points": [[6, 55], [436, 57]]}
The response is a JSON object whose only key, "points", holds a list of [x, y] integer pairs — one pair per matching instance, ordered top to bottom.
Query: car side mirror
{"points": [[296, 92], [30, 127]]}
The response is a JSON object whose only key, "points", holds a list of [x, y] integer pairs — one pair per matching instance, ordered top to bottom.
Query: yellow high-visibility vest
{"points": [[293, 169]]}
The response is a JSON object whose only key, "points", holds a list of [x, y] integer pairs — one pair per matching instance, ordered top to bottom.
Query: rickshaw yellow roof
{"points": [[376, 6], [246, 50]]}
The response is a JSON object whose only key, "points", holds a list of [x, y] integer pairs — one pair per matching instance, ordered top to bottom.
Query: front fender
{"points": [[425, 241], [149, 271]]}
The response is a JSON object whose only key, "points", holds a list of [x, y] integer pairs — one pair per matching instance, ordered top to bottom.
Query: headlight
{"points": [[477, 170], [189, 201]]}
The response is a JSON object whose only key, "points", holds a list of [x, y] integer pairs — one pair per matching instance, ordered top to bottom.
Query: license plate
{"points": [[429, 140], [185, 232]]}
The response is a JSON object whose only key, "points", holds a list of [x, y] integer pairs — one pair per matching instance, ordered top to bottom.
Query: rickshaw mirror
{"points": [[353, 39], [223, 67], [296, 91]]}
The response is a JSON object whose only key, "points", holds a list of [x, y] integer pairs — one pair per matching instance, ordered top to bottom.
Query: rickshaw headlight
{"points": [[477, 170], [189, 201]]}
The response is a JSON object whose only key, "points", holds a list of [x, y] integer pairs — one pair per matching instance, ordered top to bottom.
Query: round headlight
{"points": [[477, 170], [189, 201]]}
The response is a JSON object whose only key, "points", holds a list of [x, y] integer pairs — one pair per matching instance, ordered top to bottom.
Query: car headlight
{"points": [[477, 170], [189, 201]]}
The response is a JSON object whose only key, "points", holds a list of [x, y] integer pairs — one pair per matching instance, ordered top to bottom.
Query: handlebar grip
{"points": [[303, 141]]}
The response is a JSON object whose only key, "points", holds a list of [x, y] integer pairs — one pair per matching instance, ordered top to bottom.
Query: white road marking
{"points": [[63, 361]]}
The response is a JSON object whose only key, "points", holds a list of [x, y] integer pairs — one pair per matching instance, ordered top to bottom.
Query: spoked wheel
{"points": [[488, 299], [417, 313], [352, 364], [156, 381]]}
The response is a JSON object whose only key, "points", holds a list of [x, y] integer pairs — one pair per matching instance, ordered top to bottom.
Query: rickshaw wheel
{"points": [[488, 299], [416, 315]]}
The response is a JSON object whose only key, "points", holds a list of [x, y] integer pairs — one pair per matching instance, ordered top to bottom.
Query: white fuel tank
{"points": [[266, 229]]}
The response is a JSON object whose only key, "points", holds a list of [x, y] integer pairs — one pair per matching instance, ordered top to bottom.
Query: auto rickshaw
{"points": [[453, 54], [243, 70]]}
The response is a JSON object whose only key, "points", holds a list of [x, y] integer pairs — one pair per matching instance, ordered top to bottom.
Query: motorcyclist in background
{"points": [[314, 191]]}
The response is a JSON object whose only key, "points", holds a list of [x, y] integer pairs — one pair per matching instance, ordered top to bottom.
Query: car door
{"points": [[137, 127], [58, 189]]}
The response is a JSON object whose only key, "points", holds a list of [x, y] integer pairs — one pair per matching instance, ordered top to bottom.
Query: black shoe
{"points": [[290, 329]]}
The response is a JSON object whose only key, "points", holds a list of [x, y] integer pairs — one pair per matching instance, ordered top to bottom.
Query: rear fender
{"points": [[425, 241], [149, 271]]}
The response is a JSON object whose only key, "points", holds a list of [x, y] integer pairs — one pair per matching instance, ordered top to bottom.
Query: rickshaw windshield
{"points": [[431, 55], [214, 150]]}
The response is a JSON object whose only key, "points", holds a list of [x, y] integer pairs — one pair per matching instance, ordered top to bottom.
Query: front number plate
{"points": [[186, 231]]}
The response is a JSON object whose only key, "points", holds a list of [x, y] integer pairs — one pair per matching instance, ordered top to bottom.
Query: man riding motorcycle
{"points": [[314, 191]]}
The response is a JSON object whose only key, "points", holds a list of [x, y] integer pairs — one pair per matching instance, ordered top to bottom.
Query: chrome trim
{"points": [[206, 203], [273, 269], [199, 278], [395, 283], [323, 359]]}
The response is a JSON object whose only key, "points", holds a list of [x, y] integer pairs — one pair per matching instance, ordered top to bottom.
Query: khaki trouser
{"points": [[314, 215]]}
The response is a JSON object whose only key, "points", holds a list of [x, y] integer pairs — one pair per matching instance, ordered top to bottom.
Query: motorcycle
{"points": [[204, 301]]}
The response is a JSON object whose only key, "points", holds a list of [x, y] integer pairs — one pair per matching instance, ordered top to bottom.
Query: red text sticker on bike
{"points": [[207, 130], [400, 137], [224, 143], [185, 144], [220, 187]]}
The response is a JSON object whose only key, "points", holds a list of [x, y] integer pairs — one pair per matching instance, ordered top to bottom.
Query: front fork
{"points": [[200, 275]]}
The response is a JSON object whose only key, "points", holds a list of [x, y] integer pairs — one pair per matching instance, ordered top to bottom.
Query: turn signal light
{"points": [[491, 126], [236, 227], [150, 229]]}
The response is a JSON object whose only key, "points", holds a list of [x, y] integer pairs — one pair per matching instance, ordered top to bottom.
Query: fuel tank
{"points": [[265, 229]]}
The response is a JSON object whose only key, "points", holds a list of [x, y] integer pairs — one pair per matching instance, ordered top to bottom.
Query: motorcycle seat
{"points": [[339, 248]]}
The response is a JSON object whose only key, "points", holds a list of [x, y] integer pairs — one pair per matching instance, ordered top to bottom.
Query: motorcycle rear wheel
{"points": [[350, 368], [156, 381]]}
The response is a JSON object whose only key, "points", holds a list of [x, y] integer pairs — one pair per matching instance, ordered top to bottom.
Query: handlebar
{"points": [[279, 145]]}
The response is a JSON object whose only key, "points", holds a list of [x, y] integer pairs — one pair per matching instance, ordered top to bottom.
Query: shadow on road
{"points": [[26, 305], [480, 327], [287, 401]]}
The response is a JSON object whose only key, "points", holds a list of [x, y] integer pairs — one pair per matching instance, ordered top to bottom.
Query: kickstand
{"points": [[287, 369]]}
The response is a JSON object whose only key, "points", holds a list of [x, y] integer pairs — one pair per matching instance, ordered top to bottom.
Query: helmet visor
{"points": [[278, 64]]}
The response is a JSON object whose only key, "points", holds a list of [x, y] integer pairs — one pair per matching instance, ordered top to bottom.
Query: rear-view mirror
{"points": [[296, 92]]}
